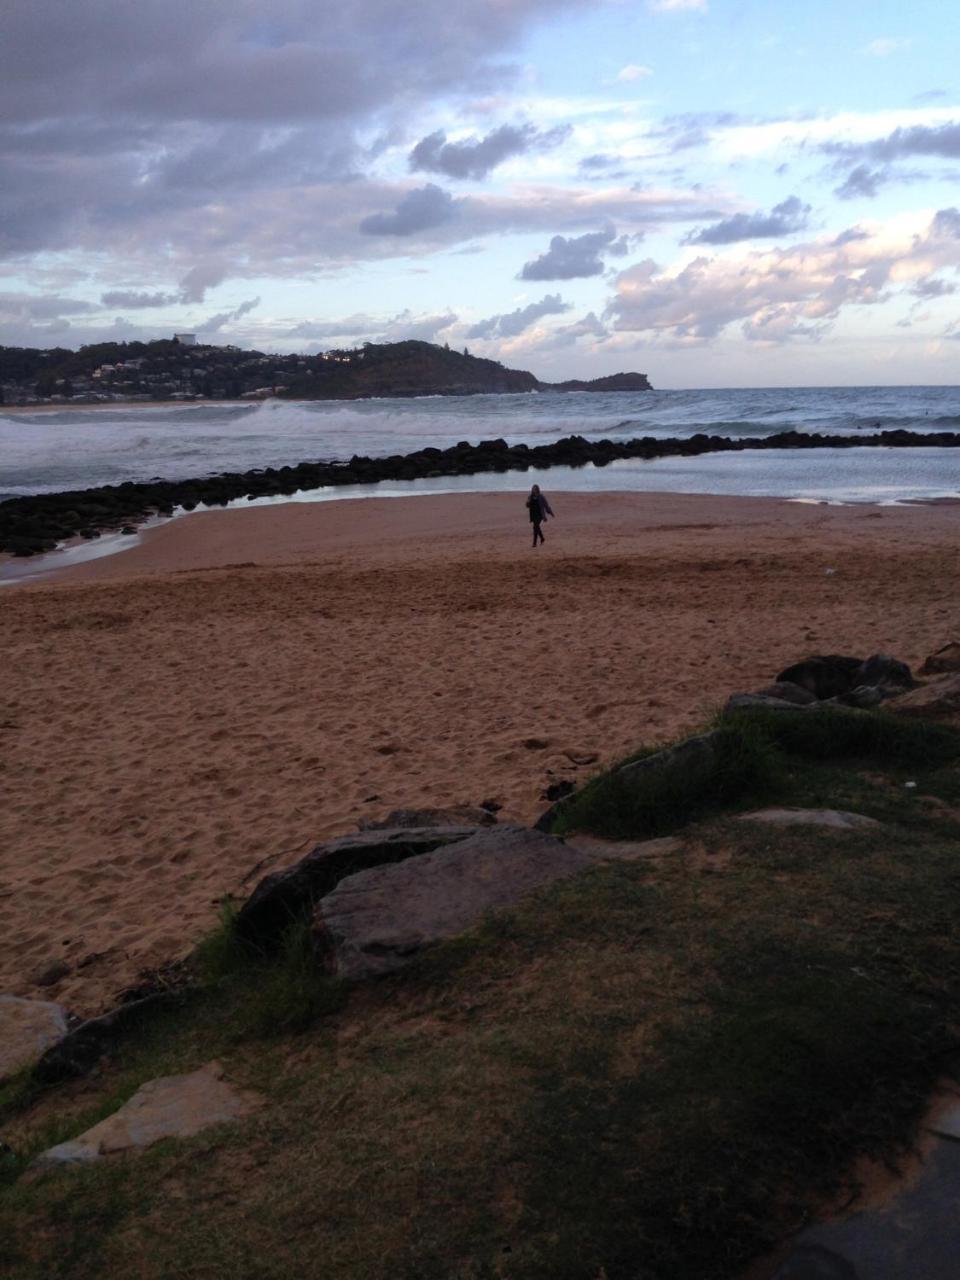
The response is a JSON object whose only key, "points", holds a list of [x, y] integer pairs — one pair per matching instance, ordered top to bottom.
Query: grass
{"points": [[754, 759], [653, 1070]]}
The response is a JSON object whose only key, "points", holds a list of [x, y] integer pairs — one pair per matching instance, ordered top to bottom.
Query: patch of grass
{"points": [[844, 734], [623, 804], [220, 953], [286, 993]]}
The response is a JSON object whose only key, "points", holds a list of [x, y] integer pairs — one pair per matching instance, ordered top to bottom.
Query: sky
{"points": [[713, 192]]}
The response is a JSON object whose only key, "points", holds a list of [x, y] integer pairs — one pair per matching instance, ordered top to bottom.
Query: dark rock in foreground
{"points": [[285, 896]]}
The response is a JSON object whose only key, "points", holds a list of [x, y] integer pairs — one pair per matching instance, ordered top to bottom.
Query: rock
{"points": [[944, 660], [885, 673], [824, 675], [785, 691], [863, 696], [940, 699], [761, 701], [692, 752], [557, 790], [461, 815], [834, 819], [283, 895], [376, 921], [27, 1029], [80, 1049], [170, 1107], [914, 1232]]}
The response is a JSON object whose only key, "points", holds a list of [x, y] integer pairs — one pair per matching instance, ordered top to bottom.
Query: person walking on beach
{"points": [[539, 509]]}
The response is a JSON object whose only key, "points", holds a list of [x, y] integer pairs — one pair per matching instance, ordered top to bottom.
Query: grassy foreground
{"points": [[652, 1071]]}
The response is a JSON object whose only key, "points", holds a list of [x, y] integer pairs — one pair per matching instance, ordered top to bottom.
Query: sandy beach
{"points": [[178, 719]]}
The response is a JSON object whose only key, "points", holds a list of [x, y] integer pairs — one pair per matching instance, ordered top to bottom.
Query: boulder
{"points": [[944, 660], [885, 673], [824, 675], [937, 700], [691, 753], [460, 815], [835, 819], [625, 850], [283, 895], [376, 921], [27, 1029], [170, 1107]]}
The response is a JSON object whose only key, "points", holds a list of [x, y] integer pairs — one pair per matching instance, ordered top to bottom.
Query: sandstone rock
{"points": [[944, 660], [823, 675], [863, 696], [940, 699], [460, 815], [834, 819], [281, 896], [374, 922], [27, 1028], [170, 1107]]}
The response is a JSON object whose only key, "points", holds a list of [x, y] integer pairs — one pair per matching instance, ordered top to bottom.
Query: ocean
{"points": [[79, 448]]}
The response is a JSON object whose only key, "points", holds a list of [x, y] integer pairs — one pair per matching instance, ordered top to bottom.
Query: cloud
{"points": [[675, 6], [883, 46], [632, 71], [941, 141], [476, 157], [861, 181], [419, 210], [789, 216], [575, 257], [200, 278], [933, 288], [778, 294], [129, 299], [25, 306], [217, 322], [513, 323], [361, 326], [406, 326]]}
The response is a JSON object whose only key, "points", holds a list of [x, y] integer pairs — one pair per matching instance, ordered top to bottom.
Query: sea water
{"points": [[75, 448]]}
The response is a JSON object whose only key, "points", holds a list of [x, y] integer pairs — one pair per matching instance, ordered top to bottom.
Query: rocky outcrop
{"points": [[34, 524], [284, 896], [375, 922], [27, 1029], [170, 1107]]}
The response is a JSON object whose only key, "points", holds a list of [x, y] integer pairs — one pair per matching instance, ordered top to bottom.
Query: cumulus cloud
{"points": [[941, 141], [476, 157], [419, 210], [789, 216], [575, 257], [200, 278], [933, 288], [778, 294], [129, 299], [46, 307], [515, 322], [364, 327]]}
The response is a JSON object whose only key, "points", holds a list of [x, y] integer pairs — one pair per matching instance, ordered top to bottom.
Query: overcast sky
{"points": [[714, 192]]}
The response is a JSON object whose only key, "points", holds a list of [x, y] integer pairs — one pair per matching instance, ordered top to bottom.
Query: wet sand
{"points": [[180, 718]]}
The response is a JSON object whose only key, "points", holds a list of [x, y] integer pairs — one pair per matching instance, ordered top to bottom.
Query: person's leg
{"points": [[536, 530]]}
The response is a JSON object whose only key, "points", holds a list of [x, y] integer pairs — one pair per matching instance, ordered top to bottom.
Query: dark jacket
{"points": [[539, 507]]}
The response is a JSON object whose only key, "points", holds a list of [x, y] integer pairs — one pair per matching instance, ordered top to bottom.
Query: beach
{"points": [[181, 718]]}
